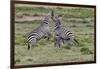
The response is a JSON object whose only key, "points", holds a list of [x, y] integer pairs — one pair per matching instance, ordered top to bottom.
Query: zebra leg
{"points": [[49, 36], [63, 41], [57, 42], [74, 42], [32, 43], [28, 46]]}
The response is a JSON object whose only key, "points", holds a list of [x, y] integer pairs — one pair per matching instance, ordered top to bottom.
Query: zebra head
{"points": [[46, 19], [56, 19]]}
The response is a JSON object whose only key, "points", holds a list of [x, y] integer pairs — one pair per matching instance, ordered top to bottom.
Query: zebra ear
{"points": [[52, 14]]}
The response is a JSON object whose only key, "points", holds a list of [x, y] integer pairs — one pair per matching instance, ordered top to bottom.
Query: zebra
{"points": [[40, 32], [62, 35]]}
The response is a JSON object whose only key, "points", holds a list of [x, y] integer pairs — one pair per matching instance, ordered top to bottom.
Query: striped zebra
{"points": [[40, 32], [62, 35]]}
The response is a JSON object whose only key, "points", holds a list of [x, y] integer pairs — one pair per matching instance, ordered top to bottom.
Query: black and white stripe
{"points": [[40, 32], [62, 34]]}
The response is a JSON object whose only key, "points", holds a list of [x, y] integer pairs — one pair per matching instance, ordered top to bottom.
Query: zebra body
{"points": [[40, 32], [62, 34]]}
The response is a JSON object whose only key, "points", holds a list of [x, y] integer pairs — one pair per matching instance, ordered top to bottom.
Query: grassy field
{"points": [[79, 20]]}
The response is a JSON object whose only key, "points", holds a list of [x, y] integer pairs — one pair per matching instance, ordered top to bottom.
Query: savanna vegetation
{"points": [[79, 20]]}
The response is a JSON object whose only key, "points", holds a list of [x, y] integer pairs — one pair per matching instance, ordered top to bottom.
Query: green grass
{"points": [[78, 20], [85, 51]]}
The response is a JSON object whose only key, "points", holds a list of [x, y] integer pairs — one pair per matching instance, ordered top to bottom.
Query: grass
{"points": [[73, 12], [78, 20]]}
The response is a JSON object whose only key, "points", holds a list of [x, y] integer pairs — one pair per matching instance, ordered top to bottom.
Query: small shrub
{"points": [[26, 14], [35, 14], [84, 21], [74, 26], [89, 26], [67, 47], [85, 51], [29, 59], [18, 60]]}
